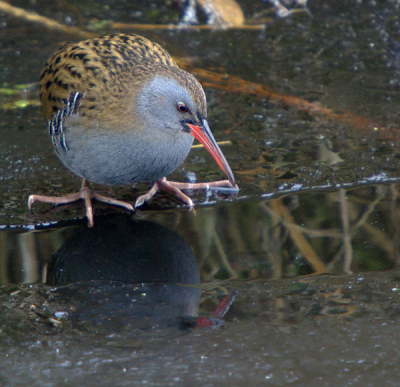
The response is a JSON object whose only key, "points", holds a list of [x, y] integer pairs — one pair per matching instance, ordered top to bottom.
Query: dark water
{"points": [[310, 243]]}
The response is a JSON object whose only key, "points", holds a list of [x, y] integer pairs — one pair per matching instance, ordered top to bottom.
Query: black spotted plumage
{"points": [[90, 64]]}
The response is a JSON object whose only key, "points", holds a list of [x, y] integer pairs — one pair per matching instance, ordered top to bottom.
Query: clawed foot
{"points": [[174, 188], [86, 193]]}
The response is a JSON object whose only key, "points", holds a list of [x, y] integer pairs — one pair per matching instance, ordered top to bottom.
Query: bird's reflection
{"points": [[121, 248], [126, 273]]}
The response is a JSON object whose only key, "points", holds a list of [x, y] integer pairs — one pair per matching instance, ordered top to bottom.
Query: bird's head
{"points": [[174, 100]]}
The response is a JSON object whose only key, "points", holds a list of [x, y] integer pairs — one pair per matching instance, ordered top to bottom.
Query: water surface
{"points": [[310, 107]]}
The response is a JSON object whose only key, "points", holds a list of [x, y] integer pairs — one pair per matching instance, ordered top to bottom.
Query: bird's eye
{"points": [[182, 107]]}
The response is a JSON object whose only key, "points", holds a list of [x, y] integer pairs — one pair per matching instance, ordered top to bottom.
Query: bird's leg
{"points": [[164, 185], [168, 186], [206, 186], [174, 188], [86, 193], [147, 196]]}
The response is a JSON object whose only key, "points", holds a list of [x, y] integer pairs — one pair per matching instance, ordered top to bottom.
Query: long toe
{"points": [[220, 185], [169, 187], [86, 193], [147, 196]]}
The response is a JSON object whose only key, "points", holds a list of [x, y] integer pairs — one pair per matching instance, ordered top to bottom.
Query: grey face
{"points": [[165, 105]]}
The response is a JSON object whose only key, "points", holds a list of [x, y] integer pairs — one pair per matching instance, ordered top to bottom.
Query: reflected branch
{"points": [[370, 208], [328, 233], [378, 236], [298, 238], [347, 247], [223, 257]]}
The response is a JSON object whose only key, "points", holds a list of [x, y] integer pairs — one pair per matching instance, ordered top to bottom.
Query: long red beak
{"points": [[204, 135]]}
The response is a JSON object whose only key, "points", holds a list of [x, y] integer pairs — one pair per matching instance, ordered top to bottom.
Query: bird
{"points": [[120, 111]]}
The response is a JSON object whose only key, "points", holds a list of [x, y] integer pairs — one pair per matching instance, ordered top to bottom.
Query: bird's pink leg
{"points": [[164, 185], [206, 186], [174, 188], [86, 193], [147, 196]]}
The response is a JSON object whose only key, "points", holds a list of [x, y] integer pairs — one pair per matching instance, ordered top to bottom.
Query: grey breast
{"points": [[124, 159]]}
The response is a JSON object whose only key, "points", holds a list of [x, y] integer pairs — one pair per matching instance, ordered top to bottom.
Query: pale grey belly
{"points": [[124, 159]]}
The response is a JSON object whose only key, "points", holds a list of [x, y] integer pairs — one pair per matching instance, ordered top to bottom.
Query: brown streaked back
{"points": [[90, 66]]}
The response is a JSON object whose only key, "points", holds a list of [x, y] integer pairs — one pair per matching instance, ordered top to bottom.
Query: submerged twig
{"points": [[45, 21], [53, 25], [174, 27], [232, 83]]}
